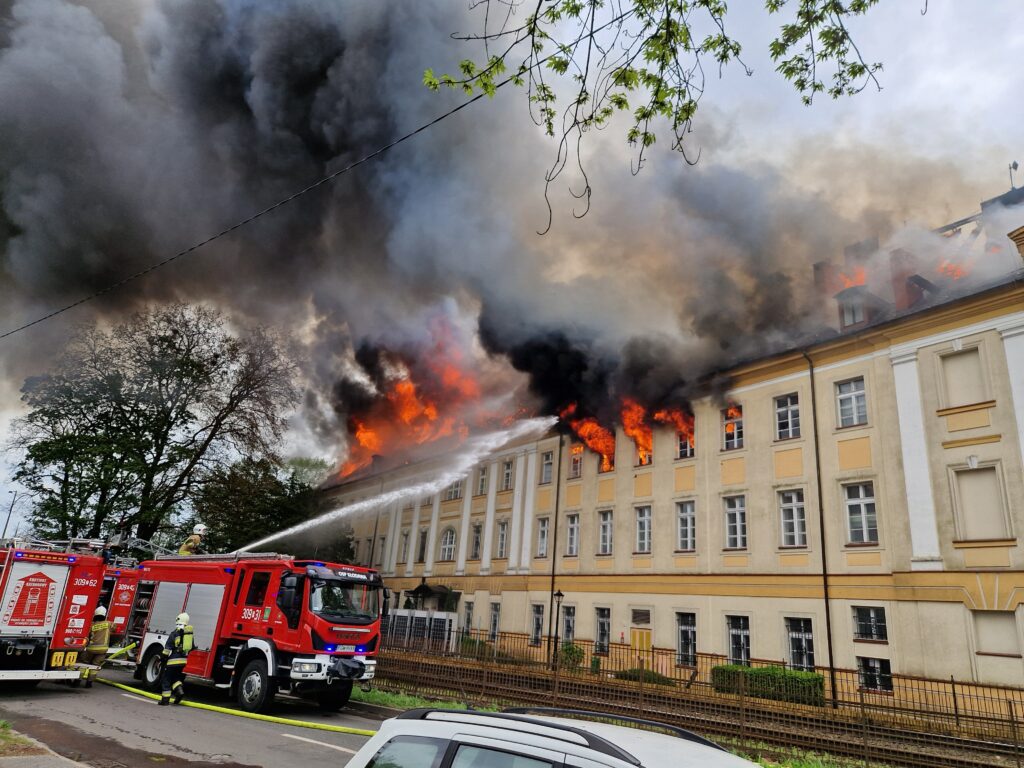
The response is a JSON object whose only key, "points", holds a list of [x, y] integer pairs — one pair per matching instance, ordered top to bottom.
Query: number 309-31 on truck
{"points": [[262, 623]]}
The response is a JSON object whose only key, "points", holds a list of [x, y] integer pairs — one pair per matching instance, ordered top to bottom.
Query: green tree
{"points": [[647, 59], [120, 433]]}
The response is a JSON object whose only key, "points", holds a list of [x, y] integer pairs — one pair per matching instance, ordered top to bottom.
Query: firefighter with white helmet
{"points": [[191, 545], [99, 643], [176, 651]]}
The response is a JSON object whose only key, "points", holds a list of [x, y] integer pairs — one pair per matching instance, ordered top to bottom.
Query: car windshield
{"points": [[345, 601]]}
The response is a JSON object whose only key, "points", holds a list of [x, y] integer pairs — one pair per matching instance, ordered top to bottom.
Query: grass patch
{"points": [[405, 701], [13, 744]]}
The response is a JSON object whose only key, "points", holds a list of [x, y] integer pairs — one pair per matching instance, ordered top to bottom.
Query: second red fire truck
{"points": [[262, 623]]}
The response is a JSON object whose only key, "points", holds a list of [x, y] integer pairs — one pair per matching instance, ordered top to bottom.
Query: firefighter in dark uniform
{"points": [[99, 643], [176, 651]]}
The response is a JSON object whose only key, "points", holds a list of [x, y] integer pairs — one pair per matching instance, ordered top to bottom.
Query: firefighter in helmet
{"points": [[191, 545], [99, 642], [176, 651]]}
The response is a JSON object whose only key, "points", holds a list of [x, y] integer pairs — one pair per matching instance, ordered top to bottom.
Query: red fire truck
{"points": [[47, 599], [262, 622]]}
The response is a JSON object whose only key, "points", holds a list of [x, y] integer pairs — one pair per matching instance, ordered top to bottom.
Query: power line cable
{"points": [[318, 183]]}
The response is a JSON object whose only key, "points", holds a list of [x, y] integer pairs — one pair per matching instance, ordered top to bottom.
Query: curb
{"points": [[250, 715], [48, 759]]}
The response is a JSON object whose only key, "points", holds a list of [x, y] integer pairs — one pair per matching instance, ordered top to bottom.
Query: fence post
{"points": [[557, 677], [641, 678], [956, 705], [743, 710], [864, 727], [1016, 739]]}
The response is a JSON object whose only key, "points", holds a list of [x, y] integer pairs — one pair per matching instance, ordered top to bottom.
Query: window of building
{"points": [[853, 311], [963, 377], [852, 403], [787, 417], [732, 427], [684, 445], [642, 456], [575, 461], [547, 463], [506, 475], [481, 481], [454, 491], [980, 511], [860, 512], [735, 522], [794, 523], [686, 526], [643, 529], [572, 535], [542, 537], [502, 539], [604, 540], [476, 542], [447, 545], [421, 546], [404, 554], [257, 588], [467, 615], [640, 617], [495, 621], [568, 623], [869, 623], [536, 624], [995, 633], [603, 635], [686, 639], [739, 639], [801, 644], [874, 674]]}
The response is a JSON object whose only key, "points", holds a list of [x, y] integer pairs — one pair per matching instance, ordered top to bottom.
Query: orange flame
{"points": [[953, 270], [858, 277], [732, 412], [682, 421], [636, 426], [597, 438]]}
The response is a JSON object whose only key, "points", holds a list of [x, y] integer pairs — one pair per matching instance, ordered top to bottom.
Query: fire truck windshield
{"points": [[344, 601]]}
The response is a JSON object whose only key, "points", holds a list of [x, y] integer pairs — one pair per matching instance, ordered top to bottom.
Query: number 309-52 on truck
{"points": [[262, 623]]}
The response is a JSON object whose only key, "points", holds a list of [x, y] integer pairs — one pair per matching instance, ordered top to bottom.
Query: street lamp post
{"points": [[558, 615]]}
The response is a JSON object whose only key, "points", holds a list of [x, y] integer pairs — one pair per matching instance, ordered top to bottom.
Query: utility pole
{"points": [[9, 511]]}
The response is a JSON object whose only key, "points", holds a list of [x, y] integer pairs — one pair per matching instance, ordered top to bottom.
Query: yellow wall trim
{"points": [[966, 408], [958, 422], [963, 443], [854, 453], [789, 463], [734, 471], [686, 478], [643, 485], [606, 490], [574, 495], [544, 496], [984, 543], [987, 557], [863, 558], [794, 559], [685, 561], [735, 561], [642, 562], [604, 563]]}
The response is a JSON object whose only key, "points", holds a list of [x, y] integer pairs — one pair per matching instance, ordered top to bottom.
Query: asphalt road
{"points": [[106, 727]]}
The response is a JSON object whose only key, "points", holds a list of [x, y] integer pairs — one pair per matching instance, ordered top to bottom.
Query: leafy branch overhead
{"points": [[646, 59]]}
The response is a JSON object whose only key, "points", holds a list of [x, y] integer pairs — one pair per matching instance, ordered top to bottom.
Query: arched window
{"points": [[447, 544]]}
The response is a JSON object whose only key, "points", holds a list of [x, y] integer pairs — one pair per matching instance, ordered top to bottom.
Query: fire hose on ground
{"points": [[239, 713]]}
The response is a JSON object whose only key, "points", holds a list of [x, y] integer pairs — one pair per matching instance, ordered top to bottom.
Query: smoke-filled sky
{"points": [[131, 129]]}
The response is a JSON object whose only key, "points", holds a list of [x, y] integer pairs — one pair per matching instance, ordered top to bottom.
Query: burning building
{"points": [[851, 501]]}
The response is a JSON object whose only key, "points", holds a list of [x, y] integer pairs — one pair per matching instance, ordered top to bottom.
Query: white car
{"points": [[535, 738]]}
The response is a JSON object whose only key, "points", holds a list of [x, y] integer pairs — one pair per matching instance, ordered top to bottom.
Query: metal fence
{"points": [[763, 706]]}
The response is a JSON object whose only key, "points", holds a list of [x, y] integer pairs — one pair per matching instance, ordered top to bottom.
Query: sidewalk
{"points": [[20, 751]]}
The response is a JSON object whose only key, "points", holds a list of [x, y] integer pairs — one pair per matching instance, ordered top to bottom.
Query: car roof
{"points": [[563, 730]]}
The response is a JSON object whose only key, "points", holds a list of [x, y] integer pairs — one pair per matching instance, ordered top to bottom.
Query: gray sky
{"points": [[944, 127]]}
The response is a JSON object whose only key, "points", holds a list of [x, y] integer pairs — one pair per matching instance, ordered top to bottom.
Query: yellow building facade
{"points": [[881, 469]]}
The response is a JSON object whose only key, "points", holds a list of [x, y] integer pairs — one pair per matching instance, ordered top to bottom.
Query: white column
{"points": [[1013, 345], [492, 496], [528, 503], [467, 506], [517, 514], [435, 517], [394, 529], [924, 534], [414, 539]]}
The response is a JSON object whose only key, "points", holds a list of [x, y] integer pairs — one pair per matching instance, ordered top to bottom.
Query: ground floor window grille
{"points": [[469, 616], [495, 620], [568, 623], [537, 625], [603, 636], [739, 639], [686, 644], [801, 644], [875, 674]]}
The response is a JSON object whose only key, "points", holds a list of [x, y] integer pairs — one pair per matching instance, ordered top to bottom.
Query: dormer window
{"points": [[853, 311]]}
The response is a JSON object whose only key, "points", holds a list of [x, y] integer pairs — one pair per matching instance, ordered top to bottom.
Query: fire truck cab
{"points": [[47, 600], [262, 623]]}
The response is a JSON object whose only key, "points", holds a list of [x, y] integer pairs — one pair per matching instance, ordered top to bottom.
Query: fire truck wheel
{"points": [[152, 668], [255, 688], [336, 696]]}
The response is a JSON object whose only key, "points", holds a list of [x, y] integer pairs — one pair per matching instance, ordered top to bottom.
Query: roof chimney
{"points": [[905, 292]]}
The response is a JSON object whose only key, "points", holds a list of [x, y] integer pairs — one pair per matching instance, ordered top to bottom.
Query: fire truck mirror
{"points": [[385, 604]]}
